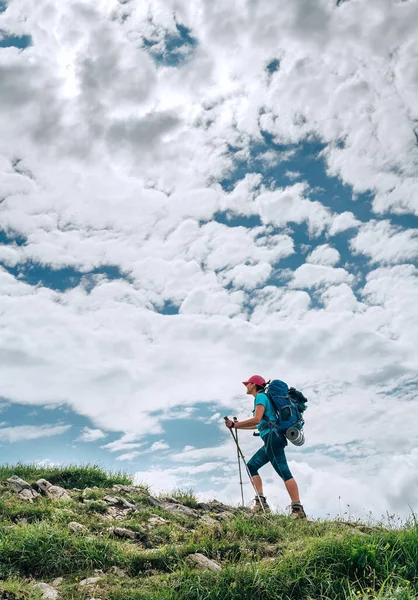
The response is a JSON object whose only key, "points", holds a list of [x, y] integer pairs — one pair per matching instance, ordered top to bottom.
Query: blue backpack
{"points": [[288, 403]]}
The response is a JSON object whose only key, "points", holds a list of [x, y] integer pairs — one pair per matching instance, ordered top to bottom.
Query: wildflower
{"points": [[358, 593]]}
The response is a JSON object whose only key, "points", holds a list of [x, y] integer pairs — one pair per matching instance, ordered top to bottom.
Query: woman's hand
{"points": [[229, 423]]}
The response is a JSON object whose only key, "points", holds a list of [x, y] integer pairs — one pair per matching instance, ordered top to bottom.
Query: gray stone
{"points": [[18, 484], [22, 488], [54, 492], [28, 495], [112, 500], [155, 502], [214, 506], [180, 509], [224, 516], [208, 520], [156, 521], [76, 527], [125, 533], [203, 563], [115, 570], [89, 581], [57, 582], [48, 592]]}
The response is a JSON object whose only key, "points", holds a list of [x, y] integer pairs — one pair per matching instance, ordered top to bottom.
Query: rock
{"points": [[18, 484], [22, 488], [128, 489], [54, 492], [29, 495], [170, 499], [112, 500], [155, 502], [214, 506], [180, 509], [224, 516], [157, 520], [208, 520], [23, 521], [76, 527], [125, 533], [203, 563], [115, 570], [89, 581], [57, 582], [47, 590]]}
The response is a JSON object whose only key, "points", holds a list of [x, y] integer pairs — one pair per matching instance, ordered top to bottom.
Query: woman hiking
{"points": [[264, 420]]}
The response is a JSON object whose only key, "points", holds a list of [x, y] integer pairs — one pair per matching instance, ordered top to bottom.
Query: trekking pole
{"points": [[239, 465], [246, 467]]}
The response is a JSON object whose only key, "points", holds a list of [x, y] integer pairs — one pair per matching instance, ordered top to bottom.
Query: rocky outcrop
{"points": [[22, 488], [53, 492], [77, 527], [203, 563], [48, 592]]}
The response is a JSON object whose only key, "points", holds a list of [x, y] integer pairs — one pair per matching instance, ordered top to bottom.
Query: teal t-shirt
{"points": [[269, 412]]}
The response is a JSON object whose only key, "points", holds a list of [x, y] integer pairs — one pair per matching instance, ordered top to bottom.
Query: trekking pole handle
{"points": [[227, 419]]}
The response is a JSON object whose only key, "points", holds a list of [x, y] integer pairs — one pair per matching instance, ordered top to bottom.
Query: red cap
{"points": [[257, 379]]}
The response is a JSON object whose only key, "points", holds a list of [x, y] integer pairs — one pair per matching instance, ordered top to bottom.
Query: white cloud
{"points": [[109, 159], [384, 243], [324, 255], [317, 275], [31, 432], [90, 435], [126, 442], [161, 445], [128, 455]]}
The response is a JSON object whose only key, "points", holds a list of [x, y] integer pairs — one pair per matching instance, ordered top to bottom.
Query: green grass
{"points": [[72, 476], [186, 497], [277, 559]]}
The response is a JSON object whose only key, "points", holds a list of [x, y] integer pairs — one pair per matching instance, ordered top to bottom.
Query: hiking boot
{"points": [[259, 506], [297, 511]]}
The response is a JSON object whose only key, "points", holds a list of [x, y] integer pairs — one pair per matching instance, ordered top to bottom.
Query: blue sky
{"points": [[189, 197]]}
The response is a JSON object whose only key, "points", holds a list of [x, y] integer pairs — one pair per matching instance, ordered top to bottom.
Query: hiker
{"points": [[264, 420]]}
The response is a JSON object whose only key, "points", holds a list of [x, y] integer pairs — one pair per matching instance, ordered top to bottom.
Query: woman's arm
{"points": [[254, 421]]}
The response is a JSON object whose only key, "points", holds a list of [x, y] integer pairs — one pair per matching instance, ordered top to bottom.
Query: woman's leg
{"points": [[275, 446], [255, 463], [258, 484], [292, 489]]}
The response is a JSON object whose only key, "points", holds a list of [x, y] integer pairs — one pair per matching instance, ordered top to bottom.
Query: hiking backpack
{"points": [[288, 403]]}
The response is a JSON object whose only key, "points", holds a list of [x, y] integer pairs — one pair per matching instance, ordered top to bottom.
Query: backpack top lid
{"points": [[278, 389]]}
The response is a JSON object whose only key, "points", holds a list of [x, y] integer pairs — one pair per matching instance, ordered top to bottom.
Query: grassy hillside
{"points": [[131, 546]]}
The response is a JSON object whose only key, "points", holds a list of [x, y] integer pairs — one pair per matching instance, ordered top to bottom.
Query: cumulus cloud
{"points": [[201, 183], [384, 243], [324, 255]]}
